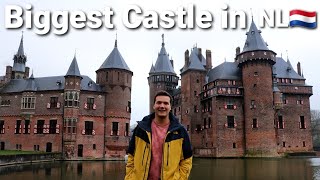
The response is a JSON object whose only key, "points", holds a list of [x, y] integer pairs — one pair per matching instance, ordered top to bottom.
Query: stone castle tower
{"points": [[162, 75]]}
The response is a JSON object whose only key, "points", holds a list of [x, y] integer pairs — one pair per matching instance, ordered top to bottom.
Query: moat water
{"points": [[217, 169]]}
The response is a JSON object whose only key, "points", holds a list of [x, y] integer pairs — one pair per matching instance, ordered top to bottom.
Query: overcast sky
{"points": [[51, 55]]}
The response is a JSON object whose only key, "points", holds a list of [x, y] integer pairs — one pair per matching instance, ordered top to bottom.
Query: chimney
{"points": [[237, 51], [200, 54], [186, 58], [208, 60], [171, 63], [299, 68], [8, 73], [26, 73]]}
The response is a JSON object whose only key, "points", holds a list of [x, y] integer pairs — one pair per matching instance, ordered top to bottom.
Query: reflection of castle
{"points": [[255, 106], [69, 113]]}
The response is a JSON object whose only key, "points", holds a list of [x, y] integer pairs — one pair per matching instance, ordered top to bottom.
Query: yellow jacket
{"points": [[177, 152]]}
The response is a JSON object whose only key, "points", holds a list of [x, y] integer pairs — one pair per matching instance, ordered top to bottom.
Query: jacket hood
{"points": [[146, 122]]}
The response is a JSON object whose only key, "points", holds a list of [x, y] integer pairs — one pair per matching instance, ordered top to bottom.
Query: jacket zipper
{"points": [[144, 153], [168, 154], [145, 169]]}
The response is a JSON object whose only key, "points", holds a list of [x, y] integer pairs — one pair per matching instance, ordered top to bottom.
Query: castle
{"points": [[257, 105], [71, 113]]}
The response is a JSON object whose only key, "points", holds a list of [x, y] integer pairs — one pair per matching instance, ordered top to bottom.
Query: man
{"points": [[160, 146]]}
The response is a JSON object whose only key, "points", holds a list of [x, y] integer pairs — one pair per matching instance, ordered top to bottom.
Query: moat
{"points": [[262, 169]]}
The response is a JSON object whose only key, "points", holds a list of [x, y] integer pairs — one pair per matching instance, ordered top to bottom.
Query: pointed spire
{"points": [[162, 40], [254, 40], [116, 41], [21, 50], [163, 64], [74, 68], [152, 70], [31, 77]]}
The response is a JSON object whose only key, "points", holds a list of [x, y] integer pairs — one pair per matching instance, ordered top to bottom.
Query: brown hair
{"points": [[162, 93]]}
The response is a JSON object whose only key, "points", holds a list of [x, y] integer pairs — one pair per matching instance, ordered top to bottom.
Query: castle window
{"points": [[255, 74], [107, 76], [118, 76], [197, 80], [195, 93], [71, 99], [284, 99], [299, 100], [53, 102], [5, 103], [28, 103], [90, 103], [230, 104], [253, 104], [129, 107], [195, 109], [209, 122], [230, 122], [280, 122], [205, 123], [254, 123], [302, 123], [26, 126], [40, 126], [52, 126], [70, 126], [2, 127], [18, 127], [88, 127], [188, 127], [198, 127], [115, 129], [126, 133], [283, 144], [304, 144], [234, 145], [94, 147]]}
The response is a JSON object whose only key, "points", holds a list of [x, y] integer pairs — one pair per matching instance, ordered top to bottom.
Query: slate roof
{"points": [[254, 40], [114, 60], [194, 62], [163, 64], [74, 68], [284, 69], [152, 70], [226, 70], [230, 71], [47, 84]]}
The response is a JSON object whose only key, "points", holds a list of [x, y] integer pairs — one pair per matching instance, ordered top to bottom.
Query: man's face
{"points": [[162, 106]]}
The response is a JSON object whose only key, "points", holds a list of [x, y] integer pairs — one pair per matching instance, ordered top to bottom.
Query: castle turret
{"points": [[256, 62], [161, 75], [115, 77], [192, 80], [72, 89]]}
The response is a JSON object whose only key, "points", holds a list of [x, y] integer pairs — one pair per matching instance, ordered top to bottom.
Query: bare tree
{"points": [[315, 128]]}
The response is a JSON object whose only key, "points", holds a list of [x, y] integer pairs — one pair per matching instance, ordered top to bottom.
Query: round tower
{"points": [[256, 62], [161, 75], [115, 77]]}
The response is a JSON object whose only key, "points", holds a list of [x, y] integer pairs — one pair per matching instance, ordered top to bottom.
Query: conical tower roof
{"points": [[254, 40], [115, 60], [163, 64], [74, 68]]}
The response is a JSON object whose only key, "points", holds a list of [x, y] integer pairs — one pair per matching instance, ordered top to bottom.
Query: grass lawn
{"points": [[15, 152]]}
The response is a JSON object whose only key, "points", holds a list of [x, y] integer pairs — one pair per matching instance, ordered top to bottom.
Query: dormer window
{"points": [[58, 83]]}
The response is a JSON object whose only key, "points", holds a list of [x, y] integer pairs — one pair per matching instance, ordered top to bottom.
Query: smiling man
{"points": [[160, 146]]}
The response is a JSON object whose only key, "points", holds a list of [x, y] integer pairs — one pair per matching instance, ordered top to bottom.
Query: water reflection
{"points": [[256, 169]]}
